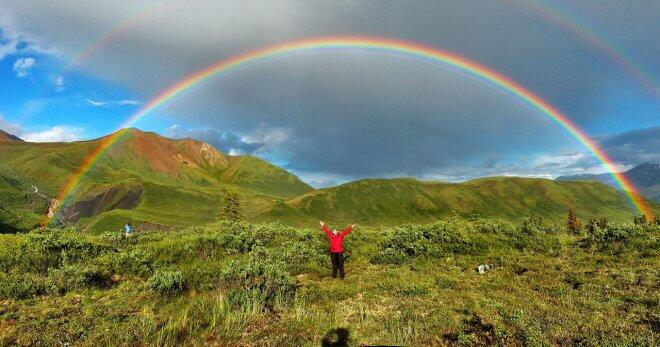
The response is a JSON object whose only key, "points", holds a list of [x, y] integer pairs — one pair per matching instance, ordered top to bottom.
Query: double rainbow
{"points": [[367, 45]]}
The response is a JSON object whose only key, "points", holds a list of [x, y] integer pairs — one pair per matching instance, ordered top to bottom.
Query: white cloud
{"points": [[8, 39], [14, 41], [7, 48], [22, 66], [59, 83], [114, 103], [9, 127], [59, 133], [270, 137], [236, 151], [322, 179]]}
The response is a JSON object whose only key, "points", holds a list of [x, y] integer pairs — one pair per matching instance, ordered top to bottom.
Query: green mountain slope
{"points": [[256, 174], [646, 177], [147, 178], [156, 182], [394, 201], [21, 205]]}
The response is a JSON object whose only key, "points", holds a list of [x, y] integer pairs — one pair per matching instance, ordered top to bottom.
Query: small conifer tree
{"points": [[230, 208], [641, 220], [573, 224]]}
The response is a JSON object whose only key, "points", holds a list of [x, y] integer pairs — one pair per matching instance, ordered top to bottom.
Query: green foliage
{"points": [[21, 205], [231, 206], [640, 220], [459, 237], [615, 238], [258, 275], [62, 280], [167, 282], [242, 284], [17, 285]]}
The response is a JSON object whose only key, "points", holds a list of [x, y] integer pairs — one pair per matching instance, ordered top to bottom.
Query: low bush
{"points": [[615, 238], [51, 248], [300, 257], [136, 262], [256, 273], [77, 277], [167, 282], [16, 285]]}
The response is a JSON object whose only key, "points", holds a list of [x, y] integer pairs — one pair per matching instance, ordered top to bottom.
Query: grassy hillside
{"points": [[256, 174], [646, 177], [156, 182], [178, 182], [394, 201], [21, 205], [243, 284]]}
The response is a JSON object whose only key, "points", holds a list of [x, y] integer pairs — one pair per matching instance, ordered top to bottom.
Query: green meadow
{"points": [[230, 283]]}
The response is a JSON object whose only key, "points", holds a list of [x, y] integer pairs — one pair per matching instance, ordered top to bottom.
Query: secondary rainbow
{"points": [[568, 22], [110, 36], [362, 44]]}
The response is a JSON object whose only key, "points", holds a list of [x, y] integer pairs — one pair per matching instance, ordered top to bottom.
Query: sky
{"points": [[77, 70]]}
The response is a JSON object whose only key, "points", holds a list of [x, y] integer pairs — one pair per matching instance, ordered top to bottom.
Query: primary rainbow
{"points": [[361, 44]]}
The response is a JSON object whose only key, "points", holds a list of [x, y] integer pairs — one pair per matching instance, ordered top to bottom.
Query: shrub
{"points": [[531, 226], [615, 236], [240, 237], [455, 237], [436, 239], [52, 248], [389, 256], [300, 257], [135, 262], [77, 276], [267, 277], [167, 282], [15, 285]]}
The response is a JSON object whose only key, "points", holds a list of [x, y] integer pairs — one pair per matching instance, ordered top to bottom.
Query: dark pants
{"points": [[337, 264]]}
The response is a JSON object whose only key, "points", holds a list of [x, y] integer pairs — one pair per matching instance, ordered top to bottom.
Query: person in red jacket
{"points": [[336, 241]]}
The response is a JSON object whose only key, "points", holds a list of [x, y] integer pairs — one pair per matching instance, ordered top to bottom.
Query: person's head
{"points": [[335, 232]]}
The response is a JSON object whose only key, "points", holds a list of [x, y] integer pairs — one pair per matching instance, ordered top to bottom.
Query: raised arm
{"points": [[325, 228], [347, 230]]}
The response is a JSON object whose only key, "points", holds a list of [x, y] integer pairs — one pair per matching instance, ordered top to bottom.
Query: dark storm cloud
{"points": [[358, 115], [422, 117], [633, 147]]}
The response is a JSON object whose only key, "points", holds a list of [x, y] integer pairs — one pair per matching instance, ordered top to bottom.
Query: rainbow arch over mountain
{"points": [[374, 45]]}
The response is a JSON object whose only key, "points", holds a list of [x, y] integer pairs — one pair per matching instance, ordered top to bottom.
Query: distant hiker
{"points": [[128, 229], [336, 241]]}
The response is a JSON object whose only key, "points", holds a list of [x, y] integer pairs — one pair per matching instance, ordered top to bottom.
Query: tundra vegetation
{"points": [[236, 283]]}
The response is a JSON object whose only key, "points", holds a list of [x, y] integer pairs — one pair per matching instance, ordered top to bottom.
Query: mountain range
{"points": [[645, 177], [156, 182]]}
